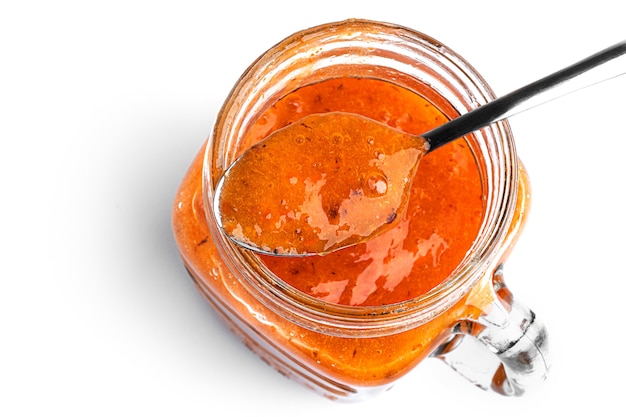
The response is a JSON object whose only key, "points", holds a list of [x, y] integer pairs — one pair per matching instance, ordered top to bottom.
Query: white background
{"points": [[104, 104]]}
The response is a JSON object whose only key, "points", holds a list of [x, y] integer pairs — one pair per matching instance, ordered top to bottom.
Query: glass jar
{"points": [[469, 321]]}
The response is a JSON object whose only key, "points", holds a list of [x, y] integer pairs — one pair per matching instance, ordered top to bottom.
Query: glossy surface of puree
{"points": [[432, 236]]}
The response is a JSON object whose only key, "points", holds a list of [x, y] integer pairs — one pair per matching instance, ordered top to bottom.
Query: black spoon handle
{"points": [[541, 91]]}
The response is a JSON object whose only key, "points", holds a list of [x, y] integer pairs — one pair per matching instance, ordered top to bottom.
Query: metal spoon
{"points": [[317, 220]]}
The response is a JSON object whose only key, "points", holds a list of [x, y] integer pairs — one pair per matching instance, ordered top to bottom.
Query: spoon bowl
{"points": [[315, 203]]}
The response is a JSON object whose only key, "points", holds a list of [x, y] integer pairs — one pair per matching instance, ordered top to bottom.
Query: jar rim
{"points": [[311, 44]]}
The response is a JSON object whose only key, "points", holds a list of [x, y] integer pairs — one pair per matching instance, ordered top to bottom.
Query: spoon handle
{"points": [[560, 83]]}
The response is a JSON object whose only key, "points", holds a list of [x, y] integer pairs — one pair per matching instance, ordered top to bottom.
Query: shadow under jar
{"points": [[351, 323]]}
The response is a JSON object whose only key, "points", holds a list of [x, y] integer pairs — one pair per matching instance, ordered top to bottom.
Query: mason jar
{"points": [[470, 320]]}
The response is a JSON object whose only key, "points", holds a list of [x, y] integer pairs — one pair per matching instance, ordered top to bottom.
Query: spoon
{"points": [[349, 177]]}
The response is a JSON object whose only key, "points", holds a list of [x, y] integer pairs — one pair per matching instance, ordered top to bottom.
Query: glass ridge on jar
{"points": [[306, 338]]}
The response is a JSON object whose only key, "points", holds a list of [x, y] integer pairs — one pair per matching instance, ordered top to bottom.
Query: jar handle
{"points": [[505, 350]]}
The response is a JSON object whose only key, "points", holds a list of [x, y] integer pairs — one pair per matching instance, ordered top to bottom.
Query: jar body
{"points": [[292, 349], [347, 353]]}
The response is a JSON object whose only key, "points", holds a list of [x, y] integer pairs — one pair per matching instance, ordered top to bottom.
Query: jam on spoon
{"points": [[320, 174], [332, 180]]}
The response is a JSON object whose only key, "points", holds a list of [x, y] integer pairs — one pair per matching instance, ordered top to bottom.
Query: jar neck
{"points": [[397, 55]]}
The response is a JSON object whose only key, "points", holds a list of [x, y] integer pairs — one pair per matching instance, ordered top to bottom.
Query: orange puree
{"points": [[444, 211], [431, 238]]}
